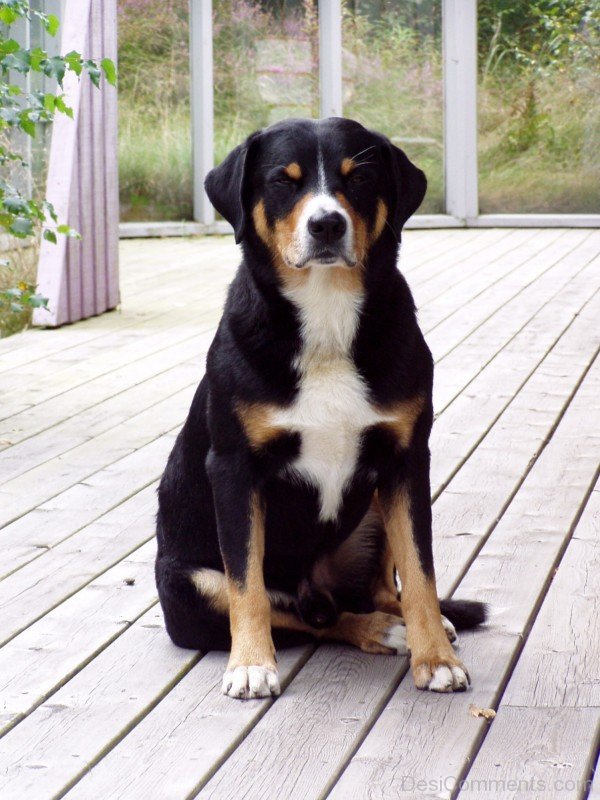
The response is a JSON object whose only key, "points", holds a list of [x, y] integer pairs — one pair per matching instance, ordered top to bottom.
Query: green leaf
{"points": [[7, 15], [52, 24], [8, 46], [38, 56], [19, 60], [74, 62], [55, 67], [109, 70], [93, 71], [49, 102], [62, 106], [26, 124], [15, 205], [49, 209], [22, 227], [68, 231], [50, 236], [37, 301], [16, 307]]}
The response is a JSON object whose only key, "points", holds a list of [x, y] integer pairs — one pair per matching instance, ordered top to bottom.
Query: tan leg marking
{"points": [[405, 416], [256, 422], [249, 607], [374, 633], [434, 663], [251, 670]]}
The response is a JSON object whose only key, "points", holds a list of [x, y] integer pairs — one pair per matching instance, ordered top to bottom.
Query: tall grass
{"points": [[539, 90]]}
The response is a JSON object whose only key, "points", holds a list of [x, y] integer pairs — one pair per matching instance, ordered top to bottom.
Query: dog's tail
{"points": [[464, 614]]}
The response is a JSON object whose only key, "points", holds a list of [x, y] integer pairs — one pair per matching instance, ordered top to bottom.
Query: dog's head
{"points": [[317, 193]]}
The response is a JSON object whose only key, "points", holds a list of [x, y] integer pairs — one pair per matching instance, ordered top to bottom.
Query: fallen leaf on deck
{"points": [[488, 713]]}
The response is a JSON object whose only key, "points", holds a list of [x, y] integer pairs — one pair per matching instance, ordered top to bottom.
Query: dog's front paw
{"points": [[441, 675], [247, 682]]}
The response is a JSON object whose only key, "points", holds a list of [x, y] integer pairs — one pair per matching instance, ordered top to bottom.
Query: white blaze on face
{"points": [[324, 202], [317, 206]]}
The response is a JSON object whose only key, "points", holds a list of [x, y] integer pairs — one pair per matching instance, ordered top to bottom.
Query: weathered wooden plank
{"points": [[585, 249], [438, 259], [470, 275], [447, 334], [34, 345], [482, 345], [72, 369], [107, 385], [491, 391], [118, 408], [487, 480], [24, 493], [510, 573], [26, 595], [50, 652], [560, 664], [553, 696], [64, 735], [534, 752], [134, 767]]}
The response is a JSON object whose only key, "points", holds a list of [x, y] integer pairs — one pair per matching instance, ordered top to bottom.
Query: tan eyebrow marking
{"points": [[348, 164], [293, 171]]}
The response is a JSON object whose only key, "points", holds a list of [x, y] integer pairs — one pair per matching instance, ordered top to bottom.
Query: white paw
{"points": [[450, 630], [395, 638], [443, 678], [246, 683]]}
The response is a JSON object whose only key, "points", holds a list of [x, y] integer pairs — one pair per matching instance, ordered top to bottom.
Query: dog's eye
{"points": [[356, 178], [283, 180]]}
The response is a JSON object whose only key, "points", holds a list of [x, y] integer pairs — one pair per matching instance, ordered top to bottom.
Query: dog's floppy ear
{"points": [[226, 185], [410, 185]]}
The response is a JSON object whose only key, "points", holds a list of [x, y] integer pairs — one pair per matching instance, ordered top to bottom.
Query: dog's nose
{"points": [[327, 228]]}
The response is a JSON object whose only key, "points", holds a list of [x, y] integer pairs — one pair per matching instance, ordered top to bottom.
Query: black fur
{"points": [[204, 495]]}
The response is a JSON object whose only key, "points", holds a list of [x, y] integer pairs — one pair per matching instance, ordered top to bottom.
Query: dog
{"points": [[298, 487]]}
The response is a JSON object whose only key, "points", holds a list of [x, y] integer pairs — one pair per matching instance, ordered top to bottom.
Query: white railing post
{"points": [[459, 32], [330, 58], [202, 107]]}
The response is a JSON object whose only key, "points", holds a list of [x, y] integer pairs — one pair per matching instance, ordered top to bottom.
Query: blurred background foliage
{"points": [[539, 90]]}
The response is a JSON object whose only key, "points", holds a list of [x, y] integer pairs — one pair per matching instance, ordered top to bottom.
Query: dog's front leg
{"points": [[406, 509], [251, 671]]}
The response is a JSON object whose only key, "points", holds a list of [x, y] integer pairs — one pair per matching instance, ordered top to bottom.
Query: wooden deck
{"points": [[95, 702]]}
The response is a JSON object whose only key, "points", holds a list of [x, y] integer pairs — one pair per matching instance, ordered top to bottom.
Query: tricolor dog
{"points": [[299, 483]]}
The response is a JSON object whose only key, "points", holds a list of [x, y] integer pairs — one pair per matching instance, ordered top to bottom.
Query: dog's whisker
{"points": [[366, 150]]}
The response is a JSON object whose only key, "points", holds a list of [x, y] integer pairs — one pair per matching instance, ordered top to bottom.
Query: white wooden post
{"points": [[459, 31], [330, 58], [201, 68], [22, 177], [80, 278]]}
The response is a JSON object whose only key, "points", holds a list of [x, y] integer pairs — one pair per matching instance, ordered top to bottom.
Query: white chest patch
{"points": [[331, 408]]}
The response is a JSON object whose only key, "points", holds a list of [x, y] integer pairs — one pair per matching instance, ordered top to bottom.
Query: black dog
{"points": [[300, 479]]}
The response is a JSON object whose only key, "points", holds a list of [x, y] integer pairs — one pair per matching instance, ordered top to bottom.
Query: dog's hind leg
{"points": [[387, 597]]}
